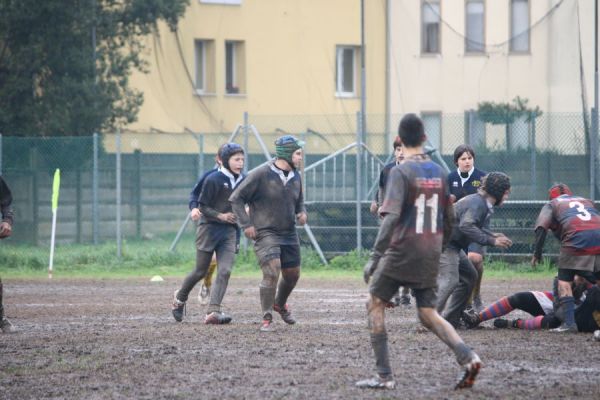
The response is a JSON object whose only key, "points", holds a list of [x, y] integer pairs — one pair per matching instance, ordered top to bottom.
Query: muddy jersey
{"points": [[383, 177], [417, 192], [195, 193], [214, 198], [273, 199], [575, 222]]}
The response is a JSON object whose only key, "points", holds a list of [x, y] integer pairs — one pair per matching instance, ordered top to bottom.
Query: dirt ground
{"points": [[110, 339]]}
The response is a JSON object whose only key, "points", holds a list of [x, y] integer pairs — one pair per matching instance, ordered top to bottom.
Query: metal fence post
{"points": [[359, 123], [532, 144], [118, 191], [138, 193], [95, 225], [244, 239]]}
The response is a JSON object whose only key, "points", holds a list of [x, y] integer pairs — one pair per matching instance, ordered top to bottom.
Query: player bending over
{"points": [[417, 216], [217, 233]]}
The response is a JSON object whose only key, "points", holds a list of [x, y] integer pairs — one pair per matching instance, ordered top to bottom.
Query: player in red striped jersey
{"points": [[576, 223]]}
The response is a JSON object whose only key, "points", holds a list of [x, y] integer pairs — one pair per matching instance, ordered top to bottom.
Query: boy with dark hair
{"points": [[463, 181], [273, 193], [417, 216], [576, 223], [5, 231], [217, 233], [457, 276]]}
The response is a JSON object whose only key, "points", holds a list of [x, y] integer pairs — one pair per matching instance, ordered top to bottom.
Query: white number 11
{"points": [[432, 204]]}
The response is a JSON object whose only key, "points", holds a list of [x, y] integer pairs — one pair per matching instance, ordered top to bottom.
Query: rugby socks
{"points": [[211, 270], [285, 287], [267, 298], [567, 308], [495, 310], [531, 324], [379, 343], [463, 353]]}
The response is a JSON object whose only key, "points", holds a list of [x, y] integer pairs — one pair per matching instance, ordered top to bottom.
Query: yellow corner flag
{"points": [[55, 190]]}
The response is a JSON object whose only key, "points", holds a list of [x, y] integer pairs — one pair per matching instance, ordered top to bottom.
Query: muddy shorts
{"points": [[476, 248], [266, 250], [570, 265], [385, 288]]}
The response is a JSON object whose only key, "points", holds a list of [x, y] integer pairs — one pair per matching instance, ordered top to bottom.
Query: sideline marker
{"points": [[55, 190]]}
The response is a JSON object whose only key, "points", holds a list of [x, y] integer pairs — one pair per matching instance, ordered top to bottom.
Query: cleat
{"points": [[204, 295], [405, 301], [178, 308], [286, 314], [217, 318], [471, 319], [502, 323], [266, 324], [6, 326], [564, 328], [470, 373], [378, 382]]}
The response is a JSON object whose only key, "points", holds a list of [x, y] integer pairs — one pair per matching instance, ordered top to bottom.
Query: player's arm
{"points": [[242, 195], [207, 201], [300, 208], [449, 222], [543, 222], [469, 224], [382, 242]]}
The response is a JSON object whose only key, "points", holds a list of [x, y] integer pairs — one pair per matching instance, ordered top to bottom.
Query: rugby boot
{"points": [[405, 300], [477, 303], [178, 308], [286, 314], [217, 318], [471, 319], [502, 323], [266, 324], [6, 326], [564, 328], [471, 369], [378, 382]]}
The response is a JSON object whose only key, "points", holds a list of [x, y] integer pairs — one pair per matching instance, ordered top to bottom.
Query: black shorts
{"points": [[288, 254], [385, 288]]}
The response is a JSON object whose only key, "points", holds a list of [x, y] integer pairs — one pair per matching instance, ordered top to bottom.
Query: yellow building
{"points": [[269, 58]]}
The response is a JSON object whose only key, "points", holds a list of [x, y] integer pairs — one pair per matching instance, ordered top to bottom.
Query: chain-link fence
{"points": [[138, 184]]}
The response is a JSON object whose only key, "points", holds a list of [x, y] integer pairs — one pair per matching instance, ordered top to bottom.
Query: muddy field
{"points": [[116, 339]]}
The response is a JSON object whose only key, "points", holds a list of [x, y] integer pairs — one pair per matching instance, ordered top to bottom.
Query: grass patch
{"points": [[141, 258]]}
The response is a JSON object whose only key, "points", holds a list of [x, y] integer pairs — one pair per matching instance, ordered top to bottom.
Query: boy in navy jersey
{"points": [[417, 216], [217, 233]]}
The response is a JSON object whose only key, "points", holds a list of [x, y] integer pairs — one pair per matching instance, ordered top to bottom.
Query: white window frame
{"points": [[429, 4], [521, 32], [474, 42], [200, 69], [339, 78], [234, 82]]}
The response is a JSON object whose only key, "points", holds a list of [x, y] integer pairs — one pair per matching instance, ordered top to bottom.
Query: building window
{"points": [[475, 26], [519, 26], [430, 27], [204, 58], [234, 67], [346, 71], [432, 121], [475, 134]]}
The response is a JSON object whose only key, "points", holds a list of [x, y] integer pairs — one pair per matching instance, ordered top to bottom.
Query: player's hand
{"points": [[452, 199], [373, 208], [195, 214], [227, 217], [302, 218], [5, 230], [250, 232], [503, 242], [369, 268]]}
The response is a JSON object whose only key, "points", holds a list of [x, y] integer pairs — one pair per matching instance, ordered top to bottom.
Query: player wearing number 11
{"points": [[417, 217], [576, 223]]}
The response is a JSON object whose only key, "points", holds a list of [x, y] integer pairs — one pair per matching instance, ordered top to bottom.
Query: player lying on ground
{"points": [[273, 193], [417, 215], [576, 223], [217, 233], [457, 275], [540, 306]]}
